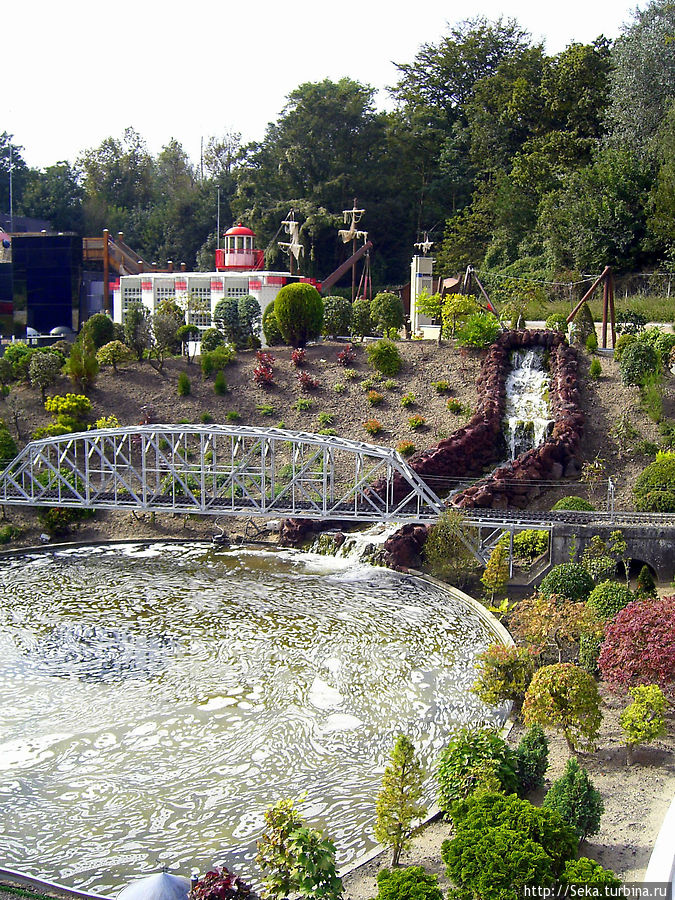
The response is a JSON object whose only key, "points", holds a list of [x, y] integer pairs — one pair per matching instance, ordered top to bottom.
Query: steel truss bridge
{"points": [[218, 470]]}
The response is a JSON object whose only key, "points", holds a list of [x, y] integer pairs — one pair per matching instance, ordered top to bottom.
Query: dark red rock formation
{"points": [[480, 443]]}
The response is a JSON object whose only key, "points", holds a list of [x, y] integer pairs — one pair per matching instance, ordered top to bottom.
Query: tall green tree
{"points": [[399, 801]]}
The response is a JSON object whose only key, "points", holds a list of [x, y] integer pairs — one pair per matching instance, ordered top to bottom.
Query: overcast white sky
{"points": [[75, 72]]}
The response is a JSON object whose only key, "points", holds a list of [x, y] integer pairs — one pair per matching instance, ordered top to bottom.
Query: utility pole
{"points": [[11, 198]]}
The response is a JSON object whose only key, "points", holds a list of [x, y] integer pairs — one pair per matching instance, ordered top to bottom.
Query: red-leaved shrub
{"points": [[346, 356], [298, 357], [265, 358], [263, 375], [307, 381], [639, 645]]}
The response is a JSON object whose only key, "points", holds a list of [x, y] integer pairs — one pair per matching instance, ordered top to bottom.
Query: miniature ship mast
{"points": [[352, 217], [293, 246]]}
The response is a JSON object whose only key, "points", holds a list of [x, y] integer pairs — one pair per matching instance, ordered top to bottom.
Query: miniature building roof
{"points": [[240, 229], [162, 886]]}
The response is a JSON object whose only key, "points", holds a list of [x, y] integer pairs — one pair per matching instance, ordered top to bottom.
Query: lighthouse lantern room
{"points": [[239, 253]]}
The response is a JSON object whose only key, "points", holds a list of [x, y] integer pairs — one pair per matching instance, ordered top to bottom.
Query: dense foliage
{"points": [[298, 309], [385, 357], [655, 486], [574, 503], [568, 580], [608, 597], [639, 645], [504, 674], [565, 697], [642, 720], [476, 758], [531, 760], [576, 800], [399, 801], [503, 843], [411, 883]]}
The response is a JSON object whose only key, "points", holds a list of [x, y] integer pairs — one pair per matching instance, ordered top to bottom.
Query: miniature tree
{"points": [[299, 312], [386, 312], [337, 316], [362, 324], [101, 328], [137, 329], [187, 334], [113, 354], [82, 366], [43, 371], [593, 474], [446, 550], [496, 575], [570, 581], [646, 587], [553, 621], [639, 645], [504, 674], [564, 697], [642, 720], [473, 757], [531, 760], [578, 802], [398, 803], [296, 859], [584, 871]]}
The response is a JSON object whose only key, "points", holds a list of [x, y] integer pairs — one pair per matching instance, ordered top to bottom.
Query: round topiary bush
{"points": [[299, 312], [386, 312], [337, 316], [557, 322], [270, 327], [211, 339], [623, 341], [384, 357], [637, 361], [655, 485], [656, 501], [574, 503], [568, 580], [608, 598]]}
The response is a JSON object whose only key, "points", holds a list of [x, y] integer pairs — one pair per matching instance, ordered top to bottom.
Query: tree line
{"points": [[515, 161]]}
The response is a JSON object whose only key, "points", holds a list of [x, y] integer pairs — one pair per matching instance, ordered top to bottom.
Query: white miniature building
{"points": [[421, 279]]}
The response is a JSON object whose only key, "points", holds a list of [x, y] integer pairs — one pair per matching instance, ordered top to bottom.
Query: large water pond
{"points": [[155, 700]]}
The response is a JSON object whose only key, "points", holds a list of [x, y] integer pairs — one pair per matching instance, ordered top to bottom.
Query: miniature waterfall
{"points": [[527, 418], [361, 546]]}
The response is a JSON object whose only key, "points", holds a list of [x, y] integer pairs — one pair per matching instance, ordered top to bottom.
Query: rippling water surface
{"points": [[154, 701]]}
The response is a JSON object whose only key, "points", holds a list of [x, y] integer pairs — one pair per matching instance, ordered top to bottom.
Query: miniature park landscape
{"points": [[426, 393], [545, 758]]}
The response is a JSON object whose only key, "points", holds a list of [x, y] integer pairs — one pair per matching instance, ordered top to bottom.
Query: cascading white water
{"points": [[528, 417], [363, 546]]}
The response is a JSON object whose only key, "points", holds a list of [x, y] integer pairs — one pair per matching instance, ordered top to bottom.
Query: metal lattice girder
{"points": [[217, 470]]}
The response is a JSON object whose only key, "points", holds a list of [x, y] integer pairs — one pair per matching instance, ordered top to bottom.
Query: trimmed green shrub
{"points": [[386, 312], [299, 313], [337, 316], [557, 322], [362, 324], [582, 326], [270, 327], [101, 329], [479, 330], [211, 339], [623, 341], [592, 342], [114, 353], [384, 357], [216, 360], [637, 361], [595, 369], [44, 370], [184, 385], [75, 405], [8, 448], [657, 476], [656, 501], [574, 503], [8, 533], [527, 544], [568, 580], [646, 586], [608, 597], [589, 651], [504, 674], [564, 697], [642, 720], [474, 756], [531, 760], [576, 800], [502, 843], [584, 871], [411, 883]]}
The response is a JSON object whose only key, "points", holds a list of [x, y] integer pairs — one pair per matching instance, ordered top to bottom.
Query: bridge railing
{"points": [[217, 470]]}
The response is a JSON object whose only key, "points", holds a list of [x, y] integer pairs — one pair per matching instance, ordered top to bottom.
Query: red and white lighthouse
{"points": [[239, 253]]}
